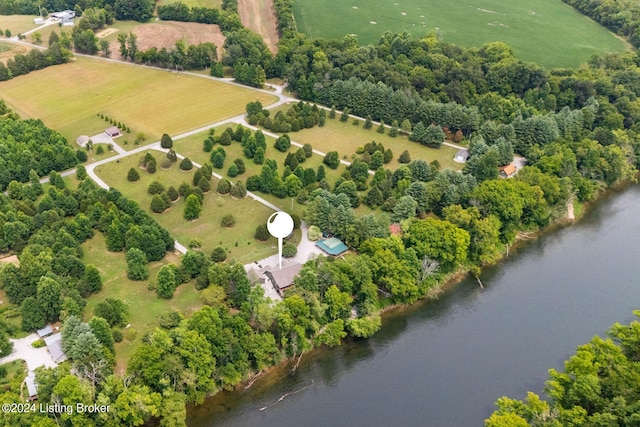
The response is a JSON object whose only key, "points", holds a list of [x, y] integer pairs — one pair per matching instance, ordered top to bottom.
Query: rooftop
{"points": [[332, 246], [283, 278], [44, 331], [54, 345]]}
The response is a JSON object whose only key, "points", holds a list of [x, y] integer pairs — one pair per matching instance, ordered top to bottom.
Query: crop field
{"points": [[544, 31], [68, 98], [237, 240], [115, 284]]}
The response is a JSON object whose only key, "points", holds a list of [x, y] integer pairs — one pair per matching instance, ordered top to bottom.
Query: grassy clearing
{"points": [[17, 24], [532, 27], [10, 50], [147, 100], [345, 138], [248, 213], [144, 306]]}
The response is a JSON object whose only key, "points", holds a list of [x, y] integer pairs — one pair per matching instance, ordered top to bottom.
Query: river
{"points": [[445, 362]]}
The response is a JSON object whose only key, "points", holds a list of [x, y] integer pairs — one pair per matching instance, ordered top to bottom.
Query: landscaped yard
{"points": [[545, 31], [68, 98], [345, 138], [237, 240], [143, 304]]}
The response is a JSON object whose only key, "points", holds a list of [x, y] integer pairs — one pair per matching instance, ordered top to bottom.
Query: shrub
{"points": [[166, 141], [282, 144], [100, 150], [308, 150], [81, 156], [172, 156], [405, 157], [332, 159], [166, 164], [186, 164], [240, 165], [151, 166], [233, 171], [133, 175], [204, 185], [224, 186], [155, 188], [184, 189], [238, 190], [173, 194], [158, 204], [192, 207], [228, 221], [314, 233], [262, 234], [195, 243], [289, 250], [218, 254], [213, 296], [170, 319], [117, 335], [38, 344]]}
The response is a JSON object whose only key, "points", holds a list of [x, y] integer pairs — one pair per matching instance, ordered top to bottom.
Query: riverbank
{"points": [[281, 380]]}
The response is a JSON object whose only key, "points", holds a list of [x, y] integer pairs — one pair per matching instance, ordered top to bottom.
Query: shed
{"points": [[38, 21], [113, 131], [82, 140], [461, 156], [508, 171], [332, 246], [282, 279], [46, 331], [54, 345], [32, 387]]}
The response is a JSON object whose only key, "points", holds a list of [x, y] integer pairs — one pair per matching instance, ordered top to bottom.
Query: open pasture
{"points": [[17, 24], [548, 32], [9, 50], [68, 98], [247, 212]]}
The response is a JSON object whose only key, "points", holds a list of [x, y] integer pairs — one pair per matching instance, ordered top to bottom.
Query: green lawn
{"points": [[16, 23], [545, 31], [68, 98], [345, 138], [237, 240], [144, 306]]}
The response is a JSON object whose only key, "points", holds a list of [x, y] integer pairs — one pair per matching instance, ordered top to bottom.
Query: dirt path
{"points": [[260, 16]]}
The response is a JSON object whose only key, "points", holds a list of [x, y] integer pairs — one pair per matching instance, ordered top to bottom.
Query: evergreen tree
{"points": [[368, 124], [166, 141], [405, 157], [186, 164], [81, 172], [204, 185], [224, 186], [238, 190], [173, 194], [192, 207], [262, 234], [218, 254], [137, 264], [166, 282]]}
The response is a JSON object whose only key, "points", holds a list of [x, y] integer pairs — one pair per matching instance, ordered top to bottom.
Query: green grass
{"points": [[16, 24], [544, 31], [68, 97], [345, 138], [248, 213], [144, 306], [16, 372]]}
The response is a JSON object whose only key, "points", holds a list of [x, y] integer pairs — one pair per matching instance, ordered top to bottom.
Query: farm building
{"points": [[65, 15], [113, 131], [461, 156], [508, 171], [332, 246], [282, 279], [54, 345], [32, 387]]}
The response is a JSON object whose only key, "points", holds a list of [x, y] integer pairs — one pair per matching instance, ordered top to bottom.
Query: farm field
{"points": [[260, 17], [16, 23], [533, 28], [162, 34], [68, 98], [345, 138], [249, 213], [143, 304]]}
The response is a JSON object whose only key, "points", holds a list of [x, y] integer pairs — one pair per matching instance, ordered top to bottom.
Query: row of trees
{"points": [[621, 17], [35, 59]]}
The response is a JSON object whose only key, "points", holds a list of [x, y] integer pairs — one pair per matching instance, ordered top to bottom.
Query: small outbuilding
{"points": [[65, 15], [112, 132], [82, 140], [461, 156], [508, 171], [332, 246], [282, 279], [44, 332], [54, 345], [32, 387]]}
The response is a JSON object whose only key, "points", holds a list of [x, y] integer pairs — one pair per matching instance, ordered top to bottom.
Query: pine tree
{"points": [[166, 141], [204, 185], [192, 207]]}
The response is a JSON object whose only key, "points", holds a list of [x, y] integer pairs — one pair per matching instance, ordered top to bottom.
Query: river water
{"points": [[444, 363]]}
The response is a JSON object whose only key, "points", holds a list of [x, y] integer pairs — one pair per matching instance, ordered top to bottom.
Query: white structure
{"points": [[65, 15]]}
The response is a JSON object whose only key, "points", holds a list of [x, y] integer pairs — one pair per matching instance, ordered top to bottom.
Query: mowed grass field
{"points": [[16, 23], [548, 32], [9, 50], [68, 98], [247, 212], [144, 306]]}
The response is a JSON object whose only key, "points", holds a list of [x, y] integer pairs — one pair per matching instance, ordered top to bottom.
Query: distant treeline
{"points": [[138, 10], [620, 16]]}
